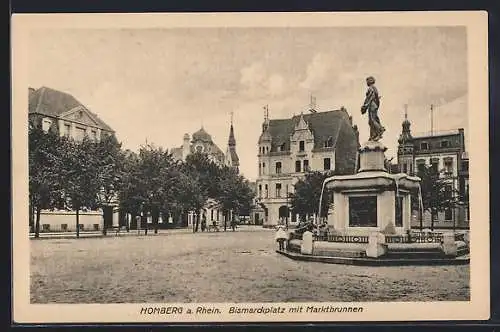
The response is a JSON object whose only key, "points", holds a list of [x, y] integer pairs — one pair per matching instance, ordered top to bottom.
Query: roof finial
{"points": [[312, 104], [406, 111], [266, 112], [232, 117]]}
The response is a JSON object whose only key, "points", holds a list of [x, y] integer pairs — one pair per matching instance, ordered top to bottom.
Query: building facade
{"points": [[60, 112], [202, 142], [289, 148], [444, 150]]}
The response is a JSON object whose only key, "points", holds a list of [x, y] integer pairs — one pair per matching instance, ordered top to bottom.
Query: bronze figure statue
{"points": [[372, 104]]}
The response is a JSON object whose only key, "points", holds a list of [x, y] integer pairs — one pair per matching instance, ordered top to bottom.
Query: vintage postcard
{"points": [[250, 167]]}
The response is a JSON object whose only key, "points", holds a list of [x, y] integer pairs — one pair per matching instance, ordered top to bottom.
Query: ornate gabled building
{"points": [[62, 113], [202, 142], [288, 148], [444, 150]]}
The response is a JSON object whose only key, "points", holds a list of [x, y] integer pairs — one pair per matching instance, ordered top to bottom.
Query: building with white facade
{"points": [[62, 113], [289, 148], [444, 150]]}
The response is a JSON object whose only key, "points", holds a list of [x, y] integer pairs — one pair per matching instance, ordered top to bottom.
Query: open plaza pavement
{"points": [[241, 266]]}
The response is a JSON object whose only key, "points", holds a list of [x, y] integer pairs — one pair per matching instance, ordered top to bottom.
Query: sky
{"points": [[157, 84]]}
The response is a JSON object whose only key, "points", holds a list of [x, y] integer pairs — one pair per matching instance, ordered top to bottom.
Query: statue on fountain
{"points": [[372, 104]]}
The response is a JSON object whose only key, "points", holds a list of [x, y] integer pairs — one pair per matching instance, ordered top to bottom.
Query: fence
{"points": [[415, 238]]}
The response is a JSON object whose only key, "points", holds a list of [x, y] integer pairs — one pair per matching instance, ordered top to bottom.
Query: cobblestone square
{"points": [[239, 266]]}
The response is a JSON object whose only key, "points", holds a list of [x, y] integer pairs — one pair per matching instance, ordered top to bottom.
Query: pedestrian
{"points": [[203, 222], [281, 237]]}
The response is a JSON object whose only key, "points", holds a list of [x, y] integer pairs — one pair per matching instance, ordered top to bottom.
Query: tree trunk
{"points": [[155, 216], [31, 217], [225, 220], [432, 221], [77, 222], [197, 222], [37, 223]]}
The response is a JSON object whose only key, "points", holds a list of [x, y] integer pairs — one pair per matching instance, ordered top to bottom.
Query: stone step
{"points": [[340, 253], [414, 254]]}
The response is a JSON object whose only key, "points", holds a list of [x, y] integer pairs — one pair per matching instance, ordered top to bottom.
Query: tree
{"points": [[44, 153], [79, 176], [234, 192], [438, 193], [306, 197]]}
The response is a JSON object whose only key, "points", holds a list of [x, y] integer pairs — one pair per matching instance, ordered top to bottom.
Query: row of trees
{"points": [[64, 173], [437, 194]]}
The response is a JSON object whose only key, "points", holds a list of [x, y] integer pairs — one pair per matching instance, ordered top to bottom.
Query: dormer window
{"points": [[46, 123], [329, 142], [445, 144], [301, 146], [424, 146], [282, 147]]}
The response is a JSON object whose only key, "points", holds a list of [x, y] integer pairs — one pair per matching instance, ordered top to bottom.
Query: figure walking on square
{"points": [[372, 104], [281, 237]]}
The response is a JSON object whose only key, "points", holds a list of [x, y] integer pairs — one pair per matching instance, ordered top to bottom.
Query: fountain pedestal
{"points": [[372, 200]]}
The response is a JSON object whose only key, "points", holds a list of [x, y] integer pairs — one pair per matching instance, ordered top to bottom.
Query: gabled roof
{"points": [[53, 103], [324, 125]]}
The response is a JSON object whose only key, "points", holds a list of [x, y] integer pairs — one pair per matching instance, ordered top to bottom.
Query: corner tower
{"points": [[405, 147]]}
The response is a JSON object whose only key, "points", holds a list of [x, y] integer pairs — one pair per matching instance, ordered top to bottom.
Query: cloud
{"points": [[317, 72], [256, 83], [276, 84]]}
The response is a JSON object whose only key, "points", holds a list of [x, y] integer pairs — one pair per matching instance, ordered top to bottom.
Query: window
{"points": [[46, 123], [67, 129], [80, 133], [93, 134], [328, 142], [445, 144], [301, 146], [424, 146], [282, 147], [326, 164], [435, 164], [306, 165], [420, 165], [465, 165], [297, 166], [448, 166], [278, 167], [263, 168], [404, 168], [260, 169], [278, 189], [260, 191], [267, 191], [286, 193], [363, 211], [399, 211], [211, 214], [448, 214], [46, 227], [64, 227], [81, 227], [96, 227]]}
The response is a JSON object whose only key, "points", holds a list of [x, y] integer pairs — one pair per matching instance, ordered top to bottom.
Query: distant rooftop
{"points": [[436, 133]]}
